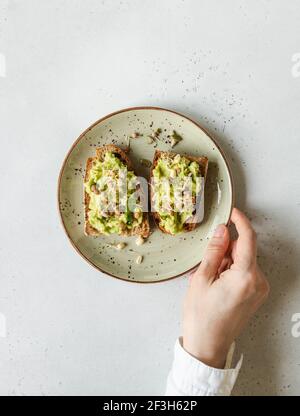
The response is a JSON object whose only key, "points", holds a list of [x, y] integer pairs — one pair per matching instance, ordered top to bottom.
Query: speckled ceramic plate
{"points": [[164, 256]]}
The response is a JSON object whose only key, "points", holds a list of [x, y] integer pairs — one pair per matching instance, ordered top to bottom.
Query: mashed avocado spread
{"points": [[177, 182], [108, 207]]}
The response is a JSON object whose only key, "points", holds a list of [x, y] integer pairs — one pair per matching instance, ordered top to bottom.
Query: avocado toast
{"points": [[170, 166], [102, 175]]}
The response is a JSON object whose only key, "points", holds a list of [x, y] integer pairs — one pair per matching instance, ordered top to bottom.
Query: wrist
{"points": [[212, 357]]}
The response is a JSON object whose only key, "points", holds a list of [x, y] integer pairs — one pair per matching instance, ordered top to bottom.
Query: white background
{"points": [[228, 64]]}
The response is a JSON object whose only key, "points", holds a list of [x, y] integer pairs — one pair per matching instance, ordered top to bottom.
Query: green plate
{"points": [[164, 256]]}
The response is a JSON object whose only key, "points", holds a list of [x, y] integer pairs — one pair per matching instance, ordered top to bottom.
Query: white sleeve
{"points": [[190, 377]]}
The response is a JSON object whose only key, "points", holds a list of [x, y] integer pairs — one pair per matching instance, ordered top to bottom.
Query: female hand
{"points": [[224, 292]]}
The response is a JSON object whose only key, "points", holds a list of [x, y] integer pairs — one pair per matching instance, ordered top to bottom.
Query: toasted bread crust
{"points": [[100, 153], [203, 164], [143, 229]]}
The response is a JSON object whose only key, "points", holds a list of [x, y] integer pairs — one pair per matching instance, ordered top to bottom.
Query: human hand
{"points": [[224, 292]]}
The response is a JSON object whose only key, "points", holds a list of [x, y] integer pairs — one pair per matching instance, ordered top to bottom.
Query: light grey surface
{"points": [[71, 330]]}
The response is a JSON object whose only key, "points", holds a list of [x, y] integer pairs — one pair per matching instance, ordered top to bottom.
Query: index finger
{"points": [[245, 250]]}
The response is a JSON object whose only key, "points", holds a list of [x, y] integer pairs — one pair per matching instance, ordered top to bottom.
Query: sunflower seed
{"points": [[135, 135], [150, 140], [139, 241], [120, 246], [139, 259]]}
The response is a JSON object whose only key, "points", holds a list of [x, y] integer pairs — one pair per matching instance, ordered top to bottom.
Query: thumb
{"points": [[214, 253]]}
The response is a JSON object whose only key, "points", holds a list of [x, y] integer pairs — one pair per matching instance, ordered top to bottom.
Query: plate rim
{"points": [[74, 144]]}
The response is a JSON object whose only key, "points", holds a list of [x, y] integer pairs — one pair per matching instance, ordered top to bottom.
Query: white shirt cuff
{"points": [[191, 377]]}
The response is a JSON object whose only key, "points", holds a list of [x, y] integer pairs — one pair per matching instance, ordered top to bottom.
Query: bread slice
{"points": [[203, 164], [142, 229]]}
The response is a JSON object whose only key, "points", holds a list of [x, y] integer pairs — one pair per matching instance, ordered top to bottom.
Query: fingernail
{"points": [[220, 230]]}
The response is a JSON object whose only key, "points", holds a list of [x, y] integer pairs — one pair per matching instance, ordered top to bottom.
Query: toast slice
{"points": [[194, 219], [142, 229]]}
